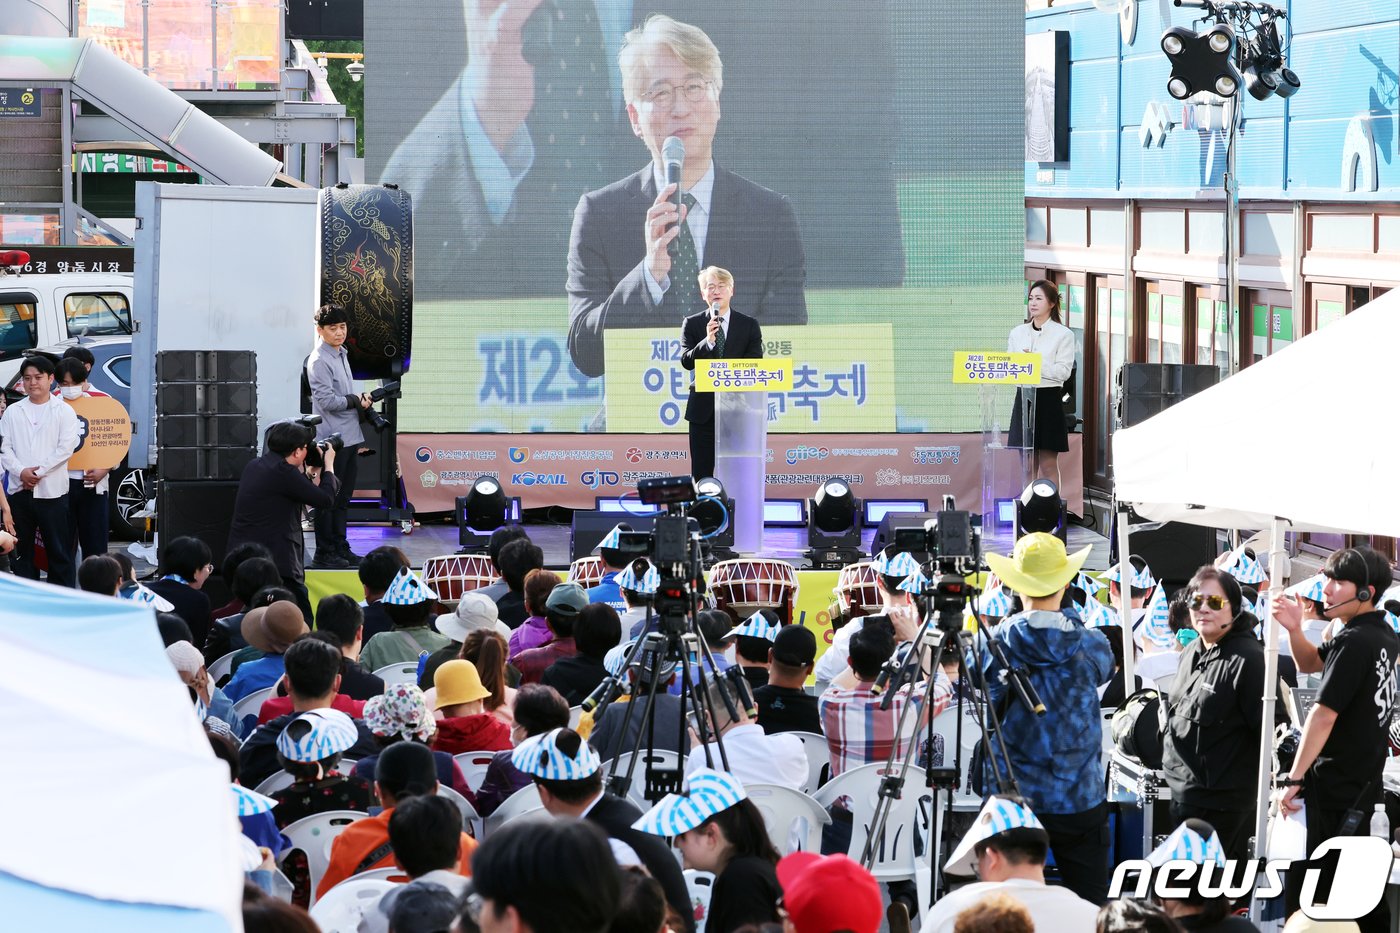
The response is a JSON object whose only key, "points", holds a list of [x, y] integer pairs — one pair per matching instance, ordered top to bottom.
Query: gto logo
{"points": [[596, 478], [539, 479]]}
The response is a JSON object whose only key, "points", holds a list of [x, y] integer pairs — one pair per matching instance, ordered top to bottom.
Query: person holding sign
{"points": [[714, 334], [1045, 334], [87, 489]]}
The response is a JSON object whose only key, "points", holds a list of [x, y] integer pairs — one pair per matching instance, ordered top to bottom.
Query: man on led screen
{"points": [[621, 269]]}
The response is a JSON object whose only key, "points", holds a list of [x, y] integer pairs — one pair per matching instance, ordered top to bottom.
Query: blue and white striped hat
{"points": [[613, 538], [900, 565], [1243, 568], [1142, 579], [627, 580], [915, 583], [1088, 584], [1311, 588], [407, 590], [146, 596], [995, 602], [1096, 615], [1392, 620], [1155, 625], [756, 626], [613, 661], [331, 732], [540, 756], [704, 793], [249, 802], [998, 815], [1185, 844]]}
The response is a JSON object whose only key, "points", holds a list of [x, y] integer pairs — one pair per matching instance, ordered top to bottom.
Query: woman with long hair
{"points": [[1044, 333], [487, 650]]}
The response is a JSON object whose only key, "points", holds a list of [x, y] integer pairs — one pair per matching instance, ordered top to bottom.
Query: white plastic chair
{"points": [[220, 668], [405, 672], [251, 704], [575, 712], [945, 724], [818, 758], [474, 765], [275, 782], [636, 791], [522, 803], [910, 815], [794, 819], [471, 820], [314, 835], [395, 874], [700, 885], [341, 910]]}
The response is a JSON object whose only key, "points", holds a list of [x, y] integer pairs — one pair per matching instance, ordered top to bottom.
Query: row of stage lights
{"points": [[1229, 54]]}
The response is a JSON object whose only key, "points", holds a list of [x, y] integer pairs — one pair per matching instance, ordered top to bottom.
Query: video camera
{"points": [[376, 420], [953, 543], [673, 546]]}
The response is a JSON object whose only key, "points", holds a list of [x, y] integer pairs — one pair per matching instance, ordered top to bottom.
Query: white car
{"points": [[46, 309]]}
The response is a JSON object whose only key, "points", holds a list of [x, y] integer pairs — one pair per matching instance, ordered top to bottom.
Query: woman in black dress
{"points": [[1046, 334]]}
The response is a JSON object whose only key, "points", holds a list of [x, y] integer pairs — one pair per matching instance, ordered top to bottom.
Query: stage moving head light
{"points": [[1201, 61], [1040, 508], [481, 511], [714, 512], [835, 519]]}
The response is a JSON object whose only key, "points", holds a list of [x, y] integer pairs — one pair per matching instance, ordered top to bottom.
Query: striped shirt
{"points": [[859, 732]]}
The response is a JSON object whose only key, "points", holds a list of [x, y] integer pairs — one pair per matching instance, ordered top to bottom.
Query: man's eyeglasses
{"points": [[665, 96], [1214, 603]]}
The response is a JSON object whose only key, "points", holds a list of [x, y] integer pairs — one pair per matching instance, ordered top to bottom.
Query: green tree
{"points": [[349, 92]]}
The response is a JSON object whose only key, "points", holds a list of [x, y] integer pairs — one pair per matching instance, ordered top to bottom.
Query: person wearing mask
{"points": [[1043, 333], [88, 515], [185, 563], [409, 604], [896, 605], [561, 611], [339, 615], [534, 631], [596, 631], [783, 704], [538, 709], [465, 726]]}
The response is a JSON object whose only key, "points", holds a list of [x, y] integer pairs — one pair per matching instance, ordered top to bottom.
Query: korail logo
{"points": [[423, 454], [519, 454], [539, 479], [1345, 878]]}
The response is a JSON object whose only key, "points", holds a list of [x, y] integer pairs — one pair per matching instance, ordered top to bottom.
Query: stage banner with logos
{"points": [[842, 379], [575, 470]]}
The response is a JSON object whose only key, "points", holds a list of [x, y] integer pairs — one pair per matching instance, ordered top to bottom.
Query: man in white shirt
{"points": [[40, 433], [754, 756], [1007, 845]]}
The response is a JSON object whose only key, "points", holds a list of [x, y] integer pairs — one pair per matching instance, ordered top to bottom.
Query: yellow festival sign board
{"points": [[981, 367], [743, 375], [842, 379]]}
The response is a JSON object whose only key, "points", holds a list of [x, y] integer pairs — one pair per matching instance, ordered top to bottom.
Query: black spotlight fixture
{"points": [[1202, 61], [1265, 72], [1040, 508], [481, 511], [713, 511], [835, 519]]}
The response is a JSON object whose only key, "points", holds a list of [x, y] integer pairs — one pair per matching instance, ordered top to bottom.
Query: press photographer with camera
{"points": [[340, 408], [293, 471]]}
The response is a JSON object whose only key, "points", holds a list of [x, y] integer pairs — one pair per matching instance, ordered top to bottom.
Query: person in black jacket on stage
{"points": [[719, 334], [271, 493], [569, 776]]}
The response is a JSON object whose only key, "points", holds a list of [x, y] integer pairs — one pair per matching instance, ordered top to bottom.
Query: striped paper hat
{"points": [[613, 538], [900, 565], [1243, 568], [1142, 579], [915, 583], [1088, 584], [647, 585], [1311, 588], [407, 590], [145, 596], [995, 603], [1096, 615], [1392, 620], [1155, 625], [756, 626], [613, 661], [331, 732], [540, 756], [705, 793], [249, 802], [998, 815], [1185, 844]]}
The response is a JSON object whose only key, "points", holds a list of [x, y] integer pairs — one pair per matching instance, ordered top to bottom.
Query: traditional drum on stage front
{"points": [[587, 571], [454, 574], [744, 586], [858, 590]]}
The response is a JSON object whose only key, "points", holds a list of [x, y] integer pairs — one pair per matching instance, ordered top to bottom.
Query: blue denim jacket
{"points": [[1056, 757]]}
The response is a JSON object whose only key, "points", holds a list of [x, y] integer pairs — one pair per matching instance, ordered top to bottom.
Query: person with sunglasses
{"points": [[1214, 710]]}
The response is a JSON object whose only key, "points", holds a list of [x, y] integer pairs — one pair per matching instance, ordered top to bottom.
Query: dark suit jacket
{"points": [[752, 233], [744, 341], [267, 510], [615, 817]]}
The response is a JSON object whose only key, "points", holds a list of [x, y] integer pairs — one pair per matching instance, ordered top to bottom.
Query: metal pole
{"points": [[1232, 246], [1125, 590], [1266, 732]]}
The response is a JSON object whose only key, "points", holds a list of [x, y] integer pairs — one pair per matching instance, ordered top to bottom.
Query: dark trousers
{"points": [[702, 448], [49, 517], [87, 518], [331, 523], [303, 596], [1324, 824], [1232, 826], [1079, 842]]}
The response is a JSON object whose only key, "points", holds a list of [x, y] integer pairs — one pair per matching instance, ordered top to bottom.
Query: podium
{"points": [[741, 436], [1007, 469]]}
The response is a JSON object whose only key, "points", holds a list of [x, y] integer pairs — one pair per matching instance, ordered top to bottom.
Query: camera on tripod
{"points": [[376, 419], [951, 541], [673, 546]]}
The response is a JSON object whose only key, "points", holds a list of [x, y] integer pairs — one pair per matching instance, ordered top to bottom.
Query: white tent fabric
{"points": [[1298, 436], [114, 793]]}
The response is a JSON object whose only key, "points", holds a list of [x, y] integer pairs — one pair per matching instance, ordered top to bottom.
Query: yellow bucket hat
{"points": [[1039, 565]]}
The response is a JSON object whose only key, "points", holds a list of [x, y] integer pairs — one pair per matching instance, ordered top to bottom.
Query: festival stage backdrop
{"points": [[894, 129]]}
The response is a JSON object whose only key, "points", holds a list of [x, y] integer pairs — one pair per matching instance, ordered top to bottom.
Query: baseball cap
{"points": [[567, 599], [795, 646], [826, 893]]}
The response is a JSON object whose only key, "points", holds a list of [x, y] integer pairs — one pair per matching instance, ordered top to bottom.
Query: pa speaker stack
{"points": [[1147, 389], [206, 433]]}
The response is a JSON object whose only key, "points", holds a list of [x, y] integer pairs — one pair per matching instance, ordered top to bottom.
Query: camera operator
{"points": [[334, 399], [293, 472], [1054, 756]]}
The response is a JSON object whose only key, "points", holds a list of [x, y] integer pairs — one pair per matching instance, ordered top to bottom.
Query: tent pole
{"points": [[1126, 615], [1266, 735]]}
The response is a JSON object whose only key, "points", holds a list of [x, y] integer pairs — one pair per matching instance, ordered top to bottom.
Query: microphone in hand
{"points": [[673, 158]]}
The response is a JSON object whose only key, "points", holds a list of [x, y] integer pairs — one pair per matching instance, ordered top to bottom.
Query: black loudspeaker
{"points": [[315, 19], [367, 268], [206, 366], [1147, 389], [193, 398], [207, 431], [205, 463], [202, 510], [591, 526], [884, 535], [1173, 550]]}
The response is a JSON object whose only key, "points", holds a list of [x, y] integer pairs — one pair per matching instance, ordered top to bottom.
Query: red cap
{"points": [[822, 894]]}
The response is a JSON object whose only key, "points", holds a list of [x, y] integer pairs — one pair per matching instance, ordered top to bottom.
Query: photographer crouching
{"points": [[340, 408], [293, 471]]}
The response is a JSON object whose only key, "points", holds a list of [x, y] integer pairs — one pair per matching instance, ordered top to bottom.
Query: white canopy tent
{"points": [[1299, 441]]}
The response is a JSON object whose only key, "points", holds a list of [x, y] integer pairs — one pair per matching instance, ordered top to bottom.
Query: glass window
{"points": [[1069, 226], [1105, 227], [1036, 230], [1207, 230], [1163, 231], [1351, 233], [1389, 233], [1268, 234], [1074, 311], [1329, 312], [97, 315], [1154, 327], [19, 328], [1171, 329], [1272, 330], [1111, 347], [119, 368]]}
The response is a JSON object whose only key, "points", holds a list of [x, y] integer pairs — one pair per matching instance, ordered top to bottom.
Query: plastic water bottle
{"points": [[1380, 823]]}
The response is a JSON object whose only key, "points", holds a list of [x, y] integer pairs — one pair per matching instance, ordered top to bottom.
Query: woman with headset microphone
{"points": [[1044, 333]]}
